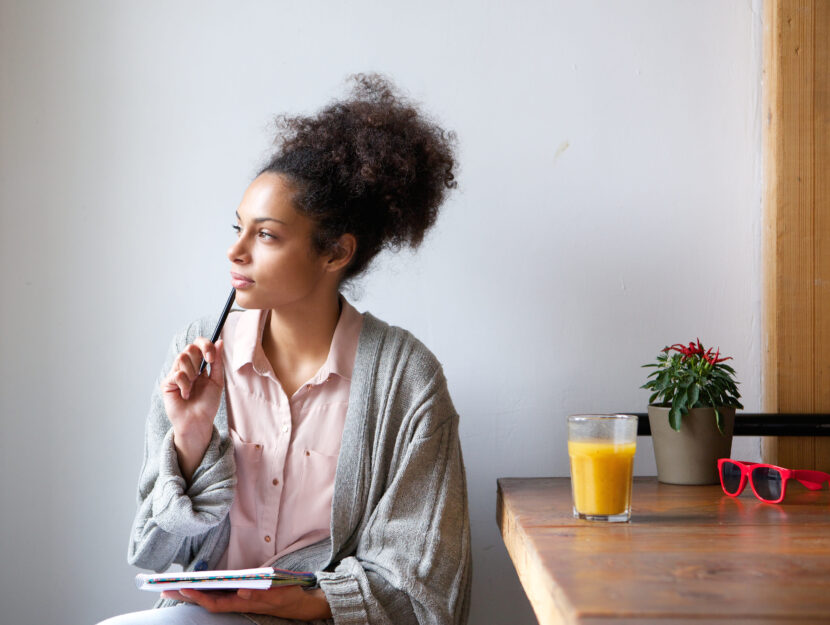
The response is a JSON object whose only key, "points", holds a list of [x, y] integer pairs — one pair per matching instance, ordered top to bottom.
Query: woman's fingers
{"points": [[206, 350], [212, 353], [193, 354], [184, 363], [217, 364], [185, 369], [181, 374], [176, 381], [184, 382], [174, 594], [222, 601], [290, 602]]}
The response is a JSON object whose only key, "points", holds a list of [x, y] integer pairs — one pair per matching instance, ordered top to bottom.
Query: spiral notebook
{"points": [[261, 578]]}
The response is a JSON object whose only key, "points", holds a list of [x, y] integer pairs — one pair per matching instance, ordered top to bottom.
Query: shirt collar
{"points": [[248, 341], [344, 342], [340, 359]]}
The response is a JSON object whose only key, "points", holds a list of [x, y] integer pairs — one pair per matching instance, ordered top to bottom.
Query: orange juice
{"points": [[601, 476]]}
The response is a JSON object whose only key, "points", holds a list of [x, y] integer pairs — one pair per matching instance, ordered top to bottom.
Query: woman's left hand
{"points": [[291, 602]]}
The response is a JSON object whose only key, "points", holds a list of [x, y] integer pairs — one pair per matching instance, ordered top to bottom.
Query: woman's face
{"points": [[273, 263]]}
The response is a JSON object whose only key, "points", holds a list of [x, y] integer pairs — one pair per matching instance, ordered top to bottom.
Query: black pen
{"points": [[219, 325]]}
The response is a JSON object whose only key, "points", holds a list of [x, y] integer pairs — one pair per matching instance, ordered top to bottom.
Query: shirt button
{"points": [[285, 429], [257, 446], [275, 481], [267, 539]]}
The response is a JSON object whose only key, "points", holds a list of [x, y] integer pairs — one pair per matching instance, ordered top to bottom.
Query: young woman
{"points": [[318, 439]]}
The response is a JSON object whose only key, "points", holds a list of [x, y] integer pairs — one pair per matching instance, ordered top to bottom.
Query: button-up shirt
{"points": [[285, 448]]}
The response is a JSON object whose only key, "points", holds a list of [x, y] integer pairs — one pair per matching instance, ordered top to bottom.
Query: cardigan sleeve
{"points": [[174, 517], [412, 563]]}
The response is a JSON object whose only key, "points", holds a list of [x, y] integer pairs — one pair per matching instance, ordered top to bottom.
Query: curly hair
{"points": [[370, 165]]}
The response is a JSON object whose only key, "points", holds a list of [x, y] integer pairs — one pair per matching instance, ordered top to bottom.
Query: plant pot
{"points": [[690, 456]]}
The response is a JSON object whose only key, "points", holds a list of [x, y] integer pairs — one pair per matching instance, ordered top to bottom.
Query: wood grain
{"points": [[821, 132], [796, 376], [689, 554]]}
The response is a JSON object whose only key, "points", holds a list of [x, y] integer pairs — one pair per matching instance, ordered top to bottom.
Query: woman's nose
{"points": [[237, 252]]}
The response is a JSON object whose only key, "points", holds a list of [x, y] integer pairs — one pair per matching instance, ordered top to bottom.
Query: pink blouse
{"points": [[285, 448]]}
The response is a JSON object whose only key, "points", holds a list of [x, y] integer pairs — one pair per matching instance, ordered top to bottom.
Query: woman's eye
{"points": [[266, 236]]}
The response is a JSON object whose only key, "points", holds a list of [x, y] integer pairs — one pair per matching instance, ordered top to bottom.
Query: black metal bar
{"points": [[769, 424]]}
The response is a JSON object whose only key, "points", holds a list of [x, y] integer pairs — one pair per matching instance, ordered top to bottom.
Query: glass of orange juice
{"points": [[601, 449]]}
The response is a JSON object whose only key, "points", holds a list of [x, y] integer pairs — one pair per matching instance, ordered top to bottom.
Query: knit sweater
{"points": [[399, 550]]}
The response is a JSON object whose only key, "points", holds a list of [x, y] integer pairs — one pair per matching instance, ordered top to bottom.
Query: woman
{"points": [[321, 439]]}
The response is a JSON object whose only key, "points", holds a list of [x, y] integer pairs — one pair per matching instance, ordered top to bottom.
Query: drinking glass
{"points": [[601, 449]]}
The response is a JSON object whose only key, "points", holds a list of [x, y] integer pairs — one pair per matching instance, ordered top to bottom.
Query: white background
{"points": [[609, 204]]}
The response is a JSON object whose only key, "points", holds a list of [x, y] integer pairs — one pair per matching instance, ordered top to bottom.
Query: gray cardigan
{"points": [[400, 535]]}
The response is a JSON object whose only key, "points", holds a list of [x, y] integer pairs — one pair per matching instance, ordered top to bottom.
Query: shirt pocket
{"points": [[248, 457], [318, 484]]}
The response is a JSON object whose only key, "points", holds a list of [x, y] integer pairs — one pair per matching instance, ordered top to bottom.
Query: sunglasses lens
{"points": [[730, 476], [767, 483]]}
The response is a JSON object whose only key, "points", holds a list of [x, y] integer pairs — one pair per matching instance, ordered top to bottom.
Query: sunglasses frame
{"points": [[813, 480]]}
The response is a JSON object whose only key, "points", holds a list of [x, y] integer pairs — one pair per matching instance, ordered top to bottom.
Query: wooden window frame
{"points": [[796, 240]]}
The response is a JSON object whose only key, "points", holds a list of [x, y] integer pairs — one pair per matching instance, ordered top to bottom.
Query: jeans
{"points": [[182, 614]]}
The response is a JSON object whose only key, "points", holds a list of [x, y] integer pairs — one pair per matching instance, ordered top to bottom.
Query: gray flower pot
{"points": [[690, 456]]}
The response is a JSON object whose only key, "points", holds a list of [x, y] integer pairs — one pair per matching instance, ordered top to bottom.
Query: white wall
{"points": [[609, 204]]}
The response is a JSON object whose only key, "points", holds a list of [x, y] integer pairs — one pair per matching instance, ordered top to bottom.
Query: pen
{"points": [[219, 325]]}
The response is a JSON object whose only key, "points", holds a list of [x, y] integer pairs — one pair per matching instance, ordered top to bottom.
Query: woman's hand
{"points": [[191, 400], [290, 602]]}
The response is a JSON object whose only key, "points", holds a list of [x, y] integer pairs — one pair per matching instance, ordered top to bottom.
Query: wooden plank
{"points": [[771, 138], [821, 184], [795, 216], [796, 375], [545, 502], [689, 554], [692, 584], [549, 603], [714, 620]]}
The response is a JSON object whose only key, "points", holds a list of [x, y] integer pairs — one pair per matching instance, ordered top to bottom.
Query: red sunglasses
{"points": [[768, 482]]}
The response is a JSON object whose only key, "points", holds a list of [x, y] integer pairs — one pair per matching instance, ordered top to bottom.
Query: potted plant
{"points": [[691, 412]]}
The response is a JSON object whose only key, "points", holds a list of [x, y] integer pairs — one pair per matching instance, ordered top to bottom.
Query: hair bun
{"points": [[371, 165]]}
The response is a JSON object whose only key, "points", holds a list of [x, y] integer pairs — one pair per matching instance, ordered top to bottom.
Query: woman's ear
{"points": [[343, 253]]}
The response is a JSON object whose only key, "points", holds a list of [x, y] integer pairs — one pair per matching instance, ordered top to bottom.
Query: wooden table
{"points": [[689, 555]]}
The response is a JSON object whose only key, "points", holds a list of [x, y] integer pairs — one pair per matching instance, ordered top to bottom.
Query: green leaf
{"points": [[694, 394], [680, 399], [718, 415], [674, 418], [719, 420]]}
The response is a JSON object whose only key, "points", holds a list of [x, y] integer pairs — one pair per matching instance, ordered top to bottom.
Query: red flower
{"points": [[695, 348]]}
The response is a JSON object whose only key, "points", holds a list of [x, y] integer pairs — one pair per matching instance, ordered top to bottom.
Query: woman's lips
{"points": [[239, 281]]}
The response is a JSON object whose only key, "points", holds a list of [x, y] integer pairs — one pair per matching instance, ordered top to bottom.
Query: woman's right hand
{"points": [[192, 400]]}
